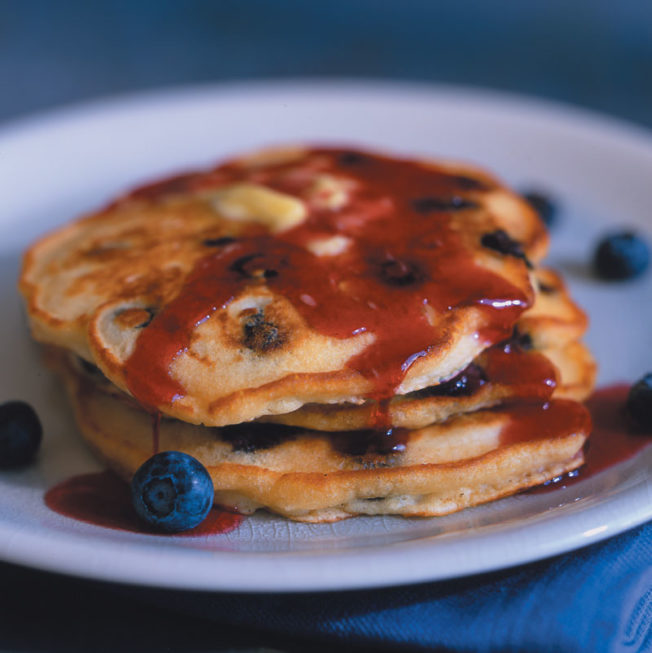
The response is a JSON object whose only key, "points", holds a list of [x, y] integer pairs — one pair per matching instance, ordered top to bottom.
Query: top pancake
{"points": [[291, 277]]}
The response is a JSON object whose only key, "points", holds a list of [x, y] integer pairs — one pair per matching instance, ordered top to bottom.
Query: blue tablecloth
{"points": [[598, 599]]}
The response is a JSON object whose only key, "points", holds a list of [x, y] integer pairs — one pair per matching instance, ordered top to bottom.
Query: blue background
{"points": [[595, 53]]}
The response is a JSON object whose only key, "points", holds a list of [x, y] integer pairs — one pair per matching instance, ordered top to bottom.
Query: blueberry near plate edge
{"points": [[545, 206], [620, 256], [639, 402], [21, 433], [172, 492]]}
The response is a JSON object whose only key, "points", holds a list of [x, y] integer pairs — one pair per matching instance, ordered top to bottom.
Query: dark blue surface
{"points": [[595, 53], [598, 600]]}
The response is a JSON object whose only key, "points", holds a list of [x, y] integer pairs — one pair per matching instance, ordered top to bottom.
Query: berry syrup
{"points": [[614, 438], [104, 499]]}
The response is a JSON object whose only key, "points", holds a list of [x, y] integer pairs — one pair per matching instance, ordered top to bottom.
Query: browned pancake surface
{"points": [[195, 294]]}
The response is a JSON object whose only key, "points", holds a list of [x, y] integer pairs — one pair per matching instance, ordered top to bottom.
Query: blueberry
{"points": [[351, 158], [469, 183], [449, 204], [543, 205], [500, 241], [219, 242], [621, 256], [250, 267], [400, 273], [546, 289], [260, 334], [521, 340], [464, 384], [639, 402], [20, 434], [250, 437], [172, 492]]}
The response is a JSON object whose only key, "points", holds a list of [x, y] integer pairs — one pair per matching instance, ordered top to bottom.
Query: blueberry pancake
{"points": [[295, 277], [554, 319], [331, 332], [511, 370], [503, 373], [319, 477]]}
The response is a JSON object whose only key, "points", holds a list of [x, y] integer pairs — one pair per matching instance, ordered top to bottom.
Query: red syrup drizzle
{"points": [[405, 258], [530, 375], [536, 420], [614, 438], [104, 499]]}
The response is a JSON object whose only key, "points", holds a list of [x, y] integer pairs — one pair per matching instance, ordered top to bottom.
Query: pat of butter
{"points": [[328, 192], [255, 203], [329, 246]]}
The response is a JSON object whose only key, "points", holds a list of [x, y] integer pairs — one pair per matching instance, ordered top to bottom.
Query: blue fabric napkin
{"points": [[598, 599]]}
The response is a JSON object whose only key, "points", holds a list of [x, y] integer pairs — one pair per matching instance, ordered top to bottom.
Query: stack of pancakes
{"points": [[330, 332]]}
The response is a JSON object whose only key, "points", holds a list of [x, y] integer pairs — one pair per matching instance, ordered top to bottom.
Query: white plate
{"points": [[56, 166]]}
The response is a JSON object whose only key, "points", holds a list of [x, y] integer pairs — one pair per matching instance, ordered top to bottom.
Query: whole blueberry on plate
{"points": [[543, 204], [621, 256], [639, 402], [20, 434], [172, 492]]}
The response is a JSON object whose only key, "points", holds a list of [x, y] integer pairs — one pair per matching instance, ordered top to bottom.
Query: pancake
{"points": [[291, 278], [554, 319], [329, 332], [577, 369], [509, 371], [496, 376], [318, 477]]}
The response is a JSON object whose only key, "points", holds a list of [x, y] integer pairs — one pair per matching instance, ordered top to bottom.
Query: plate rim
{"points": [[584, 118], [363, 561]]}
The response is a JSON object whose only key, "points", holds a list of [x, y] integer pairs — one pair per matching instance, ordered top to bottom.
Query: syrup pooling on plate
{"points": [[403, 261], [614, 438], [104, 499]]}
